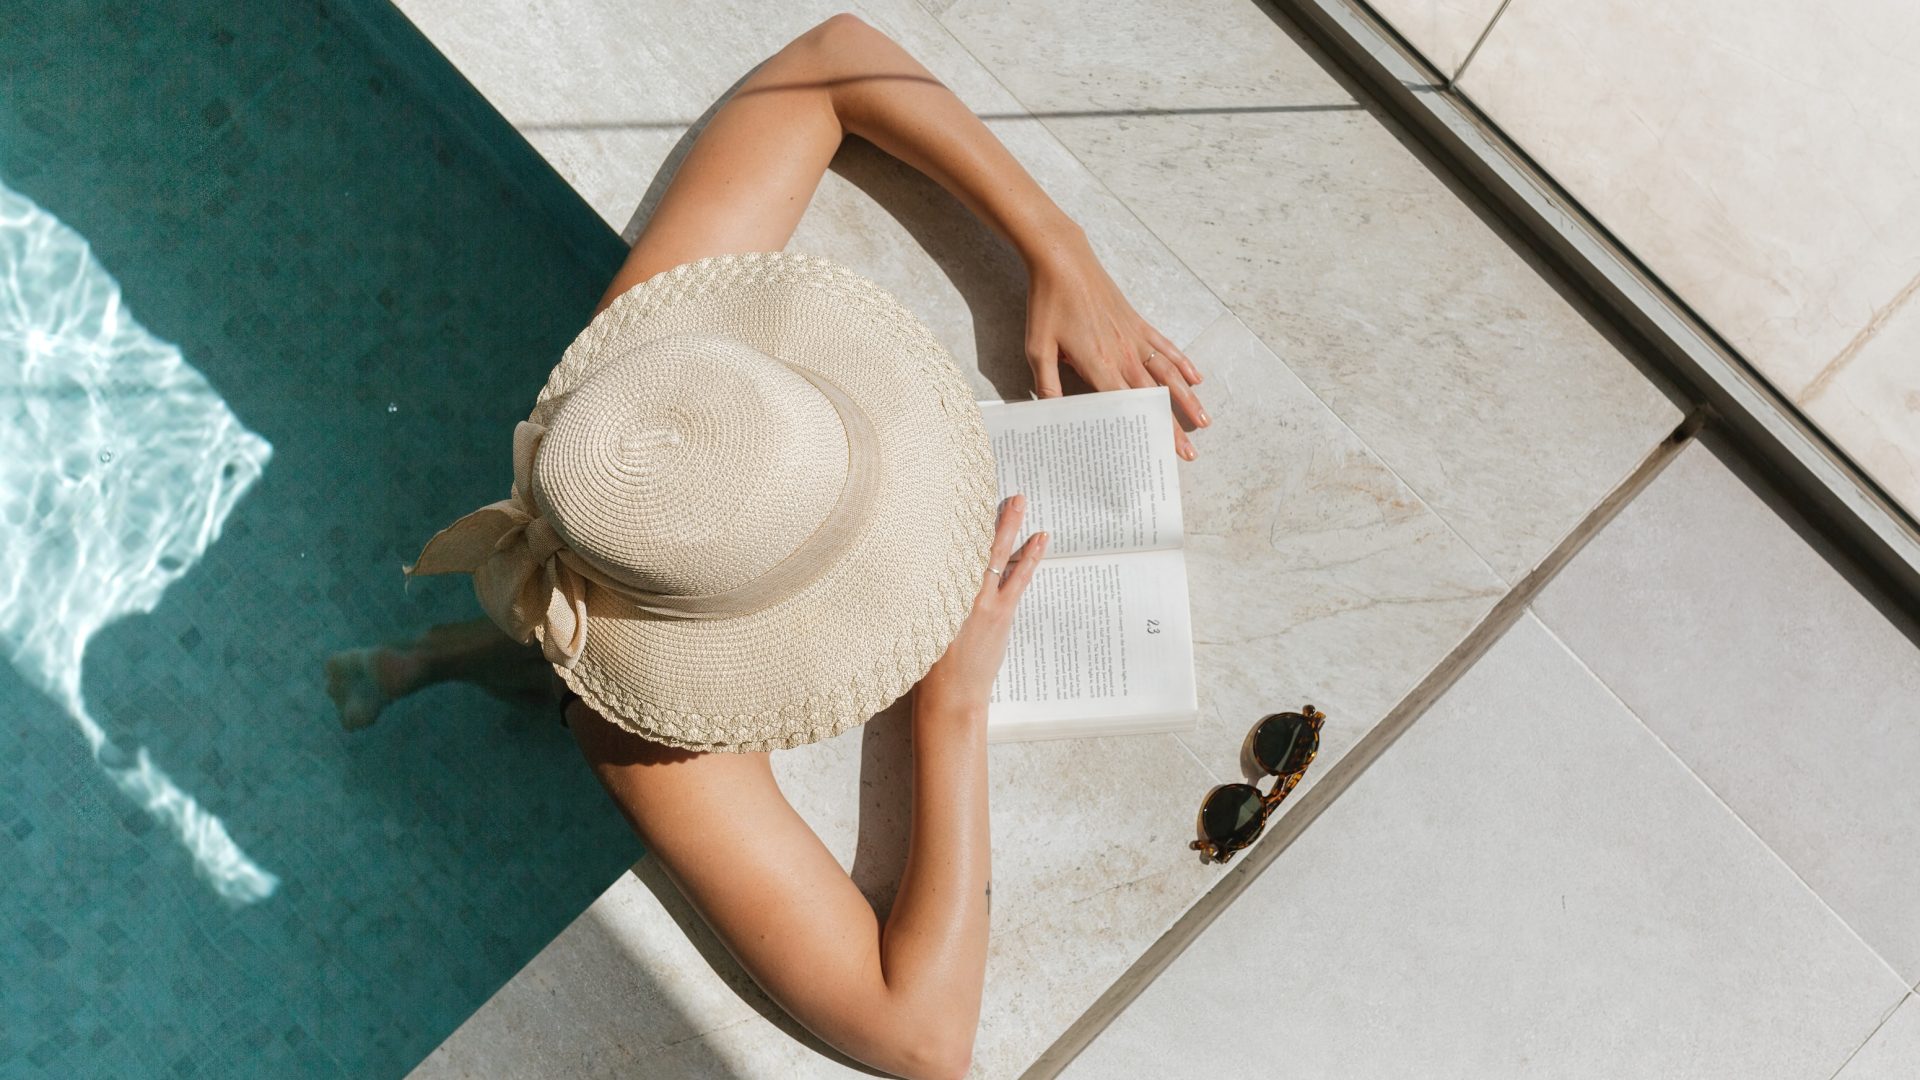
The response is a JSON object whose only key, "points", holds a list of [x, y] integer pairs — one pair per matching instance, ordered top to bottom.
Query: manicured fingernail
{"points": [[1205, 420]]}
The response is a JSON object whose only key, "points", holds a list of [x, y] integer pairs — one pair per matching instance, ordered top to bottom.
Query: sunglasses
{"points": [[1232, 815]]}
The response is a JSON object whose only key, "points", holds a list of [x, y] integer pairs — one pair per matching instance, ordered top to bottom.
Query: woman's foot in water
{"points": [[362, 681]]}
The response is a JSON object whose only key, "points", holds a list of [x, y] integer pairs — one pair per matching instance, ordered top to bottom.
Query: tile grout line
{"points": [[1485, 33], [1098, 180], [1227, 309], [1829, 371], [1378, 459], [1812, 472], [1721, 801], [1187, 928], [1884, 1021]]}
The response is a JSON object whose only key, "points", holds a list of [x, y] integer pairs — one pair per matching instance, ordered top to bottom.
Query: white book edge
{"points": [[1105, 460]]}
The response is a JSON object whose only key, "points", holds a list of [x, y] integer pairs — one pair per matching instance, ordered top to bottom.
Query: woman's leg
{"points": [[362, 681]]}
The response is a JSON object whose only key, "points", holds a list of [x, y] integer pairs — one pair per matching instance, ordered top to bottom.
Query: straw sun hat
{"points": [[750, 508]]}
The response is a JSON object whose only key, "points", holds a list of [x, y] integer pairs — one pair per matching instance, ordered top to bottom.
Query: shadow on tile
{"points": [[994, 288]]}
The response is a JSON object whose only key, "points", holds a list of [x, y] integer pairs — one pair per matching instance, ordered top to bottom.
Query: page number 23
{"points": [[1153, 626]]}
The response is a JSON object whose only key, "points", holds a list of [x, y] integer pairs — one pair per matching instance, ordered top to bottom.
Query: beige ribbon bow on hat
{"points": [[518, 563]]}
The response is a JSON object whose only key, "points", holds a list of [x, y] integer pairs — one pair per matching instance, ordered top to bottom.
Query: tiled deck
{"points": [[1758, 155], [1408, 419], [1654, 832]]}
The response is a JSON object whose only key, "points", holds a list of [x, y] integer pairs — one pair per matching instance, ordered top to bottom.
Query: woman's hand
{"points": [[1075, 313], [963, 676]]}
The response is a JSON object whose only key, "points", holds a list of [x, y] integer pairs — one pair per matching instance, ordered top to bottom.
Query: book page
{"points": [[1097, 469], [1097, 638]]}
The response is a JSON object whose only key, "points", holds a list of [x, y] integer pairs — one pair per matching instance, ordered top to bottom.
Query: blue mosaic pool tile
{"points": [[325, 219]]}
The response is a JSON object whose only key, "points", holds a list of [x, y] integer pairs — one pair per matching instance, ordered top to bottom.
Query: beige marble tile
{"points": [[1443, 30], [1136, 57], [622, 112], [1758, 155], [1495, 401], [1871, 405], [1317, 575], [1771, 674], [1093, 833], [1525, 884], [619, 982], [1894, 1051]]}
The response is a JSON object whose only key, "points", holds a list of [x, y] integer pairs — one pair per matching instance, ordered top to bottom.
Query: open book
{"points": [[1101, 643]]}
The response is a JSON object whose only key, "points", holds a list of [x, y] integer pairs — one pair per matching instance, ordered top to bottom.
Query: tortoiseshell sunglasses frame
{"points": [[1215, 852]]}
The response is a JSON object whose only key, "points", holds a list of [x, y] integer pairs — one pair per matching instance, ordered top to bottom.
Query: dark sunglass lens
{"points": [[1284, 742], [1231, 815]]}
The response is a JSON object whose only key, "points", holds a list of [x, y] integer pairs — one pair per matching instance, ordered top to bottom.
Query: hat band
{"points": [[835, 533]]}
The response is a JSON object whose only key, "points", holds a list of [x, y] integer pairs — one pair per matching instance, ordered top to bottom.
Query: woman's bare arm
{"points": [[765, 150], [755, 166], [905, 997]]}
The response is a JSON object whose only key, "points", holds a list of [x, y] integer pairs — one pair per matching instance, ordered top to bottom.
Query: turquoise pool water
{"points": [[275, 283]]}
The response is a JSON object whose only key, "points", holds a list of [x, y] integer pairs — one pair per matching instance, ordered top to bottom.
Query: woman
{"points": [[903, 997]]}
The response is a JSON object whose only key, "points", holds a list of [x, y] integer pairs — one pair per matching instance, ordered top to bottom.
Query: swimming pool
{"points": [[277, 282]]}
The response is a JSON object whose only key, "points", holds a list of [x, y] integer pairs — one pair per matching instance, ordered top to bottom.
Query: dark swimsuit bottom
{"points": [[567, 697]]}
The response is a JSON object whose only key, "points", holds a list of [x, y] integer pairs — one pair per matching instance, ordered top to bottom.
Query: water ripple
{"points": [[118, 465]]}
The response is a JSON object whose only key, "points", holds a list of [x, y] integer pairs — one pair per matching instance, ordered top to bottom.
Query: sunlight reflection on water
{"points": [[118, 466]]}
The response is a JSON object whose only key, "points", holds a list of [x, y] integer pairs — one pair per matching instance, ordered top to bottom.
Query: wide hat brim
{"points": [[858, 636]]}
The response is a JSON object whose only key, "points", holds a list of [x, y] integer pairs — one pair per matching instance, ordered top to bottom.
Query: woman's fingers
{"points": [[1168, 349], [1044, 359], [1102, 371], [1127, 371], [1142, 378], [1185, 402], [1188, 415], [1012, 510], [1006, 526], [1021, 569]]}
